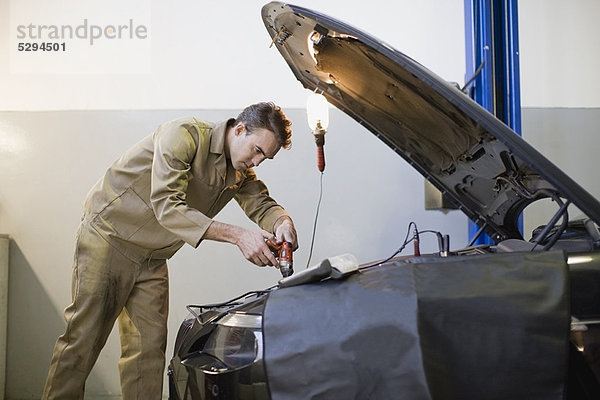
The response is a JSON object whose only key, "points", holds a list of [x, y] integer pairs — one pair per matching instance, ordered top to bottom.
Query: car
{"points": [[513, 319]]}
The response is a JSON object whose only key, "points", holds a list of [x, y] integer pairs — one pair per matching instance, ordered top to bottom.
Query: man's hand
{"points": [[286, 232], [250, 242], [253, 246]]}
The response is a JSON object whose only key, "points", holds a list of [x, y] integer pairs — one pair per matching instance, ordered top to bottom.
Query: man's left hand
{"points": [[285, 232]]}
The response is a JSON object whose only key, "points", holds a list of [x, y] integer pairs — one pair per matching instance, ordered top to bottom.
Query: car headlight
{"points": [[236, 340]]}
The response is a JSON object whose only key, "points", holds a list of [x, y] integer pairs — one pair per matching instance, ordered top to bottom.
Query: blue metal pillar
{"points": [[492, 52]]}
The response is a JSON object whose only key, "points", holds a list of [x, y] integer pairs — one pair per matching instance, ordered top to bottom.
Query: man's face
{"points": [[249, 149]]}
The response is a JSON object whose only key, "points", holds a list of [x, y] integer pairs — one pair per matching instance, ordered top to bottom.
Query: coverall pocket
{"points": [[125, 215]]}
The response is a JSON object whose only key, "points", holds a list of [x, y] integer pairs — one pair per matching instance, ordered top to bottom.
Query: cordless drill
{"points": [[283, 253]]}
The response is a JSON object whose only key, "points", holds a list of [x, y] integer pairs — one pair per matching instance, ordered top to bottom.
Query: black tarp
{"points": [[469, 327]]}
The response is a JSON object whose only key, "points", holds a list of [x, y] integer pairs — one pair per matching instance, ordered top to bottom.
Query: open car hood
{"points": [[474, 159]]}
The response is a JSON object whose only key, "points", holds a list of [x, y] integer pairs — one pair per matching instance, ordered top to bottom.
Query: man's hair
{"points": [[267, 116]]}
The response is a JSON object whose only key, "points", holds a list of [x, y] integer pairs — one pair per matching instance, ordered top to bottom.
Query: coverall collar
{"points": [[217, 146]]}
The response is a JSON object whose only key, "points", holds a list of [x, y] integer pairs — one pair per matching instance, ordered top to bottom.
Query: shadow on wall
{"points": [[29, 346]]}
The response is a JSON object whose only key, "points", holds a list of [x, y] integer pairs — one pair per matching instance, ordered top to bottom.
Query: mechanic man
{"points": [[160, 194]]}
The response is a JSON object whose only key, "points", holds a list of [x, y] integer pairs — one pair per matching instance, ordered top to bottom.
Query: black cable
{"points": [[475, 74], [565, 222], [430, 231], [543, 235], [312, 241], [406, 241], [443, 241]]}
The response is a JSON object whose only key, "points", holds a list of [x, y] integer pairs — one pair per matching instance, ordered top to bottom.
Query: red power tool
{"points": [[283, 253]]}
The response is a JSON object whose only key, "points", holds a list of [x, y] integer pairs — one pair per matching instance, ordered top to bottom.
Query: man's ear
{"points": [[239, 128]]}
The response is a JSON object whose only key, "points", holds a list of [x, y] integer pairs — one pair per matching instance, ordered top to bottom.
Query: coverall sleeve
{"points": [[174, 151], [253, 197]]}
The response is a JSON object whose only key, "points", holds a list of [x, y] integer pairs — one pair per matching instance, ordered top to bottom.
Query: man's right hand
{"points": [[250, 242], [253, 246]]}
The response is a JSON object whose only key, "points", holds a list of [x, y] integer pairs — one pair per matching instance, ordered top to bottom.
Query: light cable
{"points": [[312, 241]]}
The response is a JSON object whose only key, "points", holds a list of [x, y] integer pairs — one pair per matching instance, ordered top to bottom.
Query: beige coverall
{"points": [[160, 194]]}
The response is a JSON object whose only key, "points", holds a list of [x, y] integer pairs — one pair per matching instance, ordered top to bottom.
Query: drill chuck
{"points": [[286, 268]]}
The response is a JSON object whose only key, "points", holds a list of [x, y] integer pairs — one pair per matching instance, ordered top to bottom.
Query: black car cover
{"points": [[470, 327]]}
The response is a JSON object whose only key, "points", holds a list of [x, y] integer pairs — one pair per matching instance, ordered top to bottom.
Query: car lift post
{"points": [[492, 47]]}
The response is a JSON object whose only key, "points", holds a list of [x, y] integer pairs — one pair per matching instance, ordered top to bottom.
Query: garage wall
{"points": [[198, 53], [560, 56], [560, 60], [188, 67], [570, 137]]}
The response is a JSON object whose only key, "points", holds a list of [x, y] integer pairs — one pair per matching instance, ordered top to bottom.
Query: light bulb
{"points": [[317, 111]]}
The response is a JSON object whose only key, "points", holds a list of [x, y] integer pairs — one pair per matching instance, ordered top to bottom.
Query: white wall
{"points": [[560, 53], [210, 54], [212, 58], [189, 67]]}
